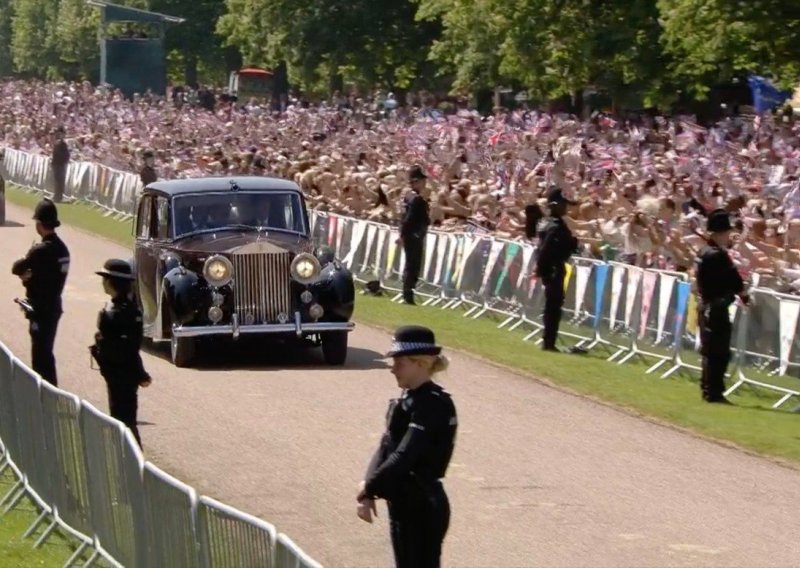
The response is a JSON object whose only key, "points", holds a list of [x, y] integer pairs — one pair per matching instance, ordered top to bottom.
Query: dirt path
{"points": [[539, 477]]}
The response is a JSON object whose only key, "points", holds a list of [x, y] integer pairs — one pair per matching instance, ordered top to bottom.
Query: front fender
{"points": [[181, 292], [336, 292]]}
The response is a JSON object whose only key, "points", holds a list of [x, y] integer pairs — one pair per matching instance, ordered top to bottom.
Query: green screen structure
{"points": [[133, 62], [135, 65]]}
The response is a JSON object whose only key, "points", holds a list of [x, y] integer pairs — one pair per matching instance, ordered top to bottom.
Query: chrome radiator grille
{"points": [[261, 287]]}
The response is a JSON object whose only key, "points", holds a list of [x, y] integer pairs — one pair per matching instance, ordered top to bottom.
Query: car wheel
{"points": [[334, 347], [182, 351]]}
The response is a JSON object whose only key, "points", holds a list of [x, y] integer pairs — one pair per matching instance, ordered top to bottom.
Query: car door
{"points": [[146, 262]]}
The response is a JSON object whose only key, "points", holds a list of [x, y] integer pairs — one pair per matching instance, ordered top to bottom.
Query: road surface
{"points": [[539, 477]]}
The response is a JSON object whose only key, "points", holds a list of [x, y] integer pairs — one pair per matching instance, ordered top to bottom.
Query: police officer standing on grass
{"points": [[413, 229], [556, 245], [43, 272], [718, 284], [117, 343], [414, 453]]}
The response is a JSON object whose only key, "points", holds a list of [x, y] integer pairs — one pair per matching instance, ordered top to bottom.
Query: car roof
{"points": [[222, 183]]}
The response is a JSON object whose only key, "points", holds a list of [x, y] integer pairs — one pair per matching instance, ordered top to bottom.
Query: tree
{"points": [[195, 39], [327, 41], [714, 41], [34, 45], [467, 47], [77, 48], [6, 57]]}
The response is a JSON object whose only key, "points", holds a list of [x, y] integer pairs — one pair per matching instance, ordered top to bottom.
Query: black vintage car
{"points": [[228, 257]]}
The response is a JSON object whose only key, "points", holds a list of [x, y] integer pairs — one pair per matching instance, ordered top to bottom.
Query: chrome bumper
{"points": [[234, 330]]}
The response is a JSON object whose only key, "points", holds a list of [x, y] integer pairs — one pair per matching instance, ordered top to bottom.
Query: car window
{"points": [[265, 210], [162, 217], [143, 218]]}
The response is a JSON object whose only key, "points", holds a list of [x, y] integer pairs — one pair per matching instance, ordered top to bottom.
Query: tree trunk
{"points": [[190, 71], [336, 83], [280, 85]]}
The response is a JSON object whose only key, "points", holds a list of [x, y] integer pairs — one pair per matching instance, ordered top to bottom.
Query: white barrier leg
{"points": [[506, 321], [655, 367], [15, 501], [31, 529], [46, 534], [76, 555]]}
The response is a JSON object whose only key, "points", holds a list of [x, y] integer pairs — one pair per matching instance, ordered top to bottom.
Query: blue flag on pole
{"points": [[766, 96]]}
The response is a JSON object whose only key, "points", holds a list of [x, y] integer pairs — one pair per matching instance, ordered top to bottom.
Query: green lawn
{"points": [[676, 400], [16, 551]]}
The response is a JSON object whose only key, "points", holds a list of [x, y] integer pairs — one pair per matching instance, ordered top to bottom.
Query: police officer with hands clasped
{"points": [[413, 229], [556, 245], [43, 272], [718, 284], [117, 343], [414, 453]]}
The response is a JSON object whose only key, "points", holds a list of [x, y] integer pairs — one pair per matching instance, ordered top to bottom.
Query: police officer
{"points": [[59, 162], [148, 173], [413, 229], [556, 245], [43, 272], [718, 284], [117, 343], [414, 453]]}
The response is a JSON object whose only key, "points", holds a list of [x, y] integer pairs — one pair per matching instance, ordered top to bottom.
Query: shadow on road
{"points": [[11, 225], [249, 355]]}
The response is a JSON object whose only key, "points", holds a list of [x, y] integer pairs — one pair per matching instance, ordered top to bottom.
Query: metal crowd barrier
{"points": [[630, 313], [87, 477]]}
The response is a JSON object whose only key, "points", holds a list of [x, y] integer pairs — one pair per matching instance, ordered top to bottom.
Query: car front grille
{"points": [[261, 287]]}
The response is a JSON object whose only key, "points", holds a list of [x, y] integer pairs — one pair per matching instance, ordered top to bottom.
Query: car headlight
{"points": [[305, 268], [218, 270]]}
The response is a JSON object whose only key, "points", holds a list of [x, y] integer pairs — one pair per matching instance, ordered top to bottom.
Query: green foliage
{"points": [[194, 40], [713, 41], [325, 42], [34, 46], [633, 52], [6, 61]]}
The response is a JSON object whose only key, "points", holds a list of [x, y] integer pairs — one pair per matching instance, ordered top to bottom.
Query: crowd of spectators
{"points": [[643, 186]]}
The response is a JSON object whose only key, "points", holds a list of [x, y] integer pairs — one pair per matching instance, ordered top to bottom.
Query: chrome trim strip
{"points": [[210, 330]]}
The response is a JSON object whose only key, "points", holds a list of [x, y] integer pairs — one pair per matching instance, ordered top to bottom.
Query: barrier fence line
{"points": [[631, 313], [87, 477]]}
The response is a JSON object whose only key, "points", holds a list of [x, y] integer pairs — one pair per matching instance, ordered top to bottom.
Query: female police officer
{"points": [[117, 343], [414, 453]]}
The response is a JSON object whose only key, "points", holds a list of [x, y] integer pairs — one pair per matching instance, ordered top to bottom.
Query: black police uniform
{"points": [[148, 175], [413, 230], [556, 245], [48, 262], [718, 283], [116, 350], [412, 458], [406, 469]]}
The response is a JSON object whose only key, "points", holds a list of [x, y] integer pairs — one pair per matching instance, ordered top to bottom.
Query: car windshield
{"points": [[227, 210]]}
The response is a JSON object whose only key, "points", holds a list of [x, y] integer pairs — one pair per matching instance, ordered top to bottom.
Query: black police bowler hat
{"points": [[148, 154], [416, 172], [556, 197], [46, 213], [718, 221], [117, 269], [413, 340]]}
